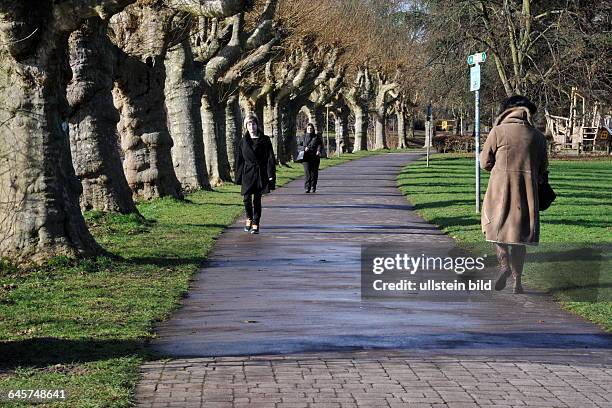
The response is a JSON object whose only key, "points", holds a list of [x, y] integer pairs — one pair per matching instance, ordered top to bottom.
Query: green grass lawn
{"points": [[444, 194], [83, 325]]}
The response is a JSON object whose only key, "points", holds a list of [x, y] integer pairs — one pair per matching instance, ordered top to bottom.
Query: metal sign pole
{"points": [[474, 61], [428, 130], [327, 131], [427, 136], [428, 140], [477, 149]]}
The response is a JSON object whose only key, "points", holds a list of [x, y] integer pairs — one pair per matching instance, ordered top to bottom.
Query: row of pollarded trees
{"points": [[108, 102]]}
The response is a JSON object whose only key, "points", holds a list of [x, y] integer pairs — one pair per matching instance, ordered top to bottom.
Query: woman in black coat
{"points": [[312, 144], [255, 171]]}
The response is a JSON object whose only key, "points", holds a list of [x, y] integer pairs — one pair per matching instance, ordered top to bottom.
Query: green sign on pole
{"points": [[477, 58]]}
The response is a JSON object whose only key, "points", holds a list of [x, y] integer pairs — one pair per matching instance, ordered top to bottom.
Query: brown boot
{"points": [[519, 253], [503, 255], [518, 287]]}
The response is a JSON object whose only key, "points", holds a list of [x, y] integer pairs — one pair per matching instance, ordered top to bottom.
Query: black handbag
{"points": [[546, 195]]}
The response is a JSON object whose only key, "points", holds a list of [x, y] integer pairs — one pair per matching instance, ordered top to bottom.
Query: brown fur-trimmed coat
{"points": [[515, 153]]}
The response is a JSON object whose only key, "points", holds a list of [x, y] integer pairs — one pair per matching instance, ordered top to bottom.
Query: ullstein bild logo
{"points": [[431, 285]]}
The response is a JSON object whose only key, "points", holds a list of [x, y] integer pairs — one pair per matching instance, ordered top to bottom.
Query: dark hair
{"points": [[517, 101], [314, 130]]}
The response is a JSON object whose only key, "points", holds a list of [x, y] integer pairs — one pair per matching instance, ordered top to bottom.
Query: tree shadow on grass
{"points": [[434, 183], [442, 204], [406, 207], [455, 221], [579, 223], [205, 225], [166, 261], [46, 351]]}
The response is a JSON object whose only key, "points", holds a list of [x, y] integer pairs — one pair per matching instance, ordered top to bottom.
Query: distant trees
{"points": [[536, 48]]}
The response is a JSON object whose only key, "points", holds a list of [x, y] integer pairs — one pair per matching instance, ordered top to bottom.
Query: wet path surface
{"points": [[295, 287], [294, 290]]}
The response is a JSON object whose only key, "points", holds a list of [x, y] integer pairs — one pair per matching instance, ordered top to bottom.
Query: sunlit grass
{"points": [[581, 216], [83, 325]]}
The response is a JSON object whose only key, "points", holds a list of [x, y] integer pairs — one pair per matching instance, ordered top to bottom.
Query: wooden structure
{"points": [[446, 125], [581, 129]]}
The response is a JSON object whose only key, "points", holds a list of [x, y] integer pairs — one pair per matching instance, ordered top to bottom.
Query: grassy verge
{"points": [[581, 215], [83, 325]]}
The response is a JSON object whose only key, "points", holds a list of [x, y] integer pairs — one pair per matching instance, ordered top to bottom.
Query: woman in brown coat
{"points": [[515, 154]]}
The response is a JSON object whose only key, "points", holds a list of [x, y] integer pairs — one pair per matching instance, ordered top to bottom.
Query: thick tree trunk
{"points": [[141, 32], [183, 98], [260, 105], [246, 106], [316, 116], [269, 117], [318, 119], [93, 121], [411, 125], [233, 127], [273, 128], [361, 128], [338, 130], [341, 130], [401, 130], [289, 133], [381, 133], [221, 135], [145, 139], [343, 139], [215, 147], [211, 149], [39, 191]]}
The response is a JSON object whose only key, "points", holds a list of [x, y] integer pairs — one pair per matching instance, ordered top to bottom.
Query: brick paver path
{"points": [[276, 320]]}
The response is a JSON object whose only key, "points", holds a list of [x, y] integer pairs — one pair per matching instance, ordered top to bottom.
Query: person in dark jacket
{"points": [[312, 144], [515, 154], [255, 171]]}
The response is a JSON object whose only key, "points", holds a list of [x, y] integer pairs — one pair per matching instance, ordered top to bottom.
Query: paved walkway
{"points": [[277, 320]]}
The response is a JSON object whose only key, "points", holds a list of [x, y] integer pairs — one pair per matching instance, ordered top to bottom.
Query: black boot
{"points": [[503, 255]]}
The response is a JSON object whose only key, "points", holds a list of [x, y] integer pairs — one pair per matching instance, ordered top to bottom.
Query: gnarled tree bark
{"points": [[227, 55], [139, 97], [358, 98], [183, 102], [381, 104], [342, 113], [405, 120], [93, 121], [233, 129], [39, 209]]}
